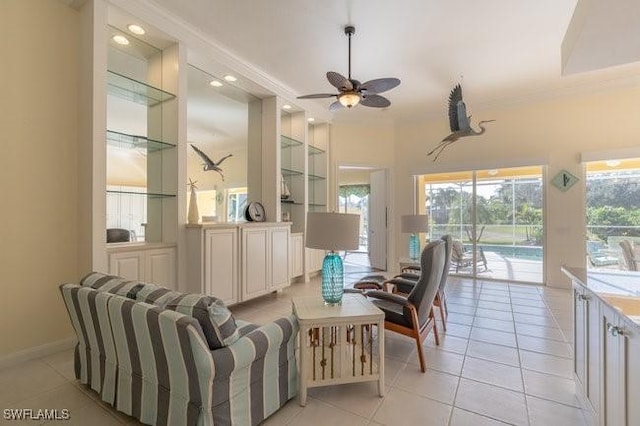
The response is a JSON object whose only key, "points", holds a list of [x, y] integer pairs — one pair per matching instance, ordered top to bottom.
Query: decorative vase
{"points": [[194, 215], [414, 246], [332, 279]]}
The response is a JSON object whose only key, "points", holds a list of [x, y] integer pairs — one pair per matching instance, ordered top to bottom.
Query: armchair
{"points": [[412, 315]]}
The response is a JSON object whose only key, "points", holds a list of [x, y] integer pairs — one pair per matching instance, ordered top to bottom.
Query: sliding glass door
{"points": [[495, 218]]}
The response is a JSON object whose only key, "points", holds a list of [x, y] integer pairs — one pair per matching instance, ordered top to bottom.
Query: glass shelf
{"points": [[136, 91], [123, 140], [287, 142], [315, 151], [290, 172], [316, 177], [144, 194], [292, 202], [317, 205]]}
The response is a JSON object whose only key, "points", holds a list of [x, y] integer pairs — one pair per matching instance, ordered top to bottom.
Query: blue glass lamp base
{"points": [[414, 246], [332, 279]]}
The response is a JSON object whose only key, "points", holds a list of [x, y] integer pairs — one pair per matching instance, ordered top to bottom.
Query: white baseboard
{"points": [[37, 352]]}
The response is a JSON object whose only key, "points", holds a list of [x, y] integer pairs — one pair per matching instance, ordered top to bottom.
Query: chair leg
{"points": [[440, 304], [435, 328], [418, 337]]}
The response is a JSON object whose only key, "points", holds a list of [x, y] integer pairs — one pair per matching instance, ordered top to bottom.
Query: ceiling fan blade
{"points": [[339, 81], [379, 85], [317, 96], [375, 101], [335, 106]]}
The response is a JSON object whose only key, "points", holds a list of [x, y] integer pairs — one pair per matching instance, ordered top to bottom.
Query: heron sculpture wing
{"points": [[458, 119], [204, 156]]}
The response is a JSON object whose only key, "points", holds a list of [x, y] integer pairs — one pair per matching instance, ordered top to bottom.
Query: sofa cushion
{"points": [[216, 320]]}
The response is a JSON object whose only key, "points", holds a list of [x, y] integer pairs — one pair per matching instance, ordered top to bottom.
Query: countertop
{"points": [[618, 289]]}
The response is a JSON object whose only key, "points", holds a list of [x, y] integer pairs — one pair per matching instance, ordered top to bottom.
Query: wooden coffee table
{"points": [[337, 344]]}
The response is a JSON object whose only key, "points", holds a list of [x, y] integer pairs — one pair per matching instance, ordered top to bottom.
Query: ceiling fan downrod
{"points": [[349, 30]]}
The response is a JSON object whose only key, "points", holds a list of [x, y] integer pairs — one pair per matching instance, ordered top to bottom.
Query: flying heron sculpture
{"points": [[458, 121], [209, 164]]}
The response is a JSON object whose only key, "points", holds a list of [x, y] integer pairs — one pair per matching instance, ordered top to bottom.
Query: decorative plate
{"points": [[564, 180], [255, 212]]}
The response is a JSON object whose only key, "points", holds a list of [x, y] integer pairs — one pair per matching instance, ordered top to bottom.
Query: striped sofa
{"points": [[139, 348]]}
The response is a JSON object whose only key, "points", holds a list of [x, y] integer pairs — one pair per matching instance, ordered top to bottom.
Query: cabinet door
{"points": [[279, 254], [296, 256], [255, 262], [128, 264], [221, 264], [160, 267], [580, 338], [594, 339], [631, 374], [614, 408]]}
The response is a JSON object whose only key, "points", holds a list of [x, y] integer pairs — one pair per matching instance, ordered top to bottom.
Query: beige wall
{"points": [[39, 41], [553, 132]]}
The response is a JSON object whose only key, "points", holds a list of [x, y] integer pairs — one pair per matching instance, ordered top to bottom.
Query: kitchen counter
{"points": [[618, 289]]}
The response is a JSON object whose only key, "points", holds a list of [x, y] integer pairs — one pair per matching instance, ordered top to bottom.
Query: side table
{"points": [[336, 342]]}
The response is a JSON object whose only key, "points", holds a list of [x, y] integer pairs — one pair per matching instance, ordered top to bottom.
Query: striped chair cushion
{"points": [[216, 320]]}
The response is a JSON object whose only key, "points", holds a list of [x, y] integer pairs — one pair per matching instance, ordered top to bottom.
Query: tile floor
{"points": [[504, 359]]}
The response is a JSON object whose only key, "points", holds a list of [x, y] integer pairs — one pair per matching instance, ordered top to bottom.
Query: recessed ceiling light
{"points": [[136, 29], [120, 39], [229, 77], [215, 83], [286, 106], [311, 119], [613, 163], [492, 172]]}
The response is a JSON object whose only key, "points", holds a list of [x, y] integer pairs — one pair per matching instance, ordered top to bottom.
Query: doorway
{"points": [[362, 191]]}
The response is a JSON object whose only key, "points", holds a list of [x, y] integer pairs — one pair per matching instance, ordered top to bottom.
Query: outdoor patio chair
{"points": [[629, 256], [463, 258]]}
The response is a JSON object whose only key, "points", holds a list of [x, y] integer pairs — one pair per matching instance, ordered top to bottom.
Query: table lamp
{"points": [[414, 224], [333, 232]]}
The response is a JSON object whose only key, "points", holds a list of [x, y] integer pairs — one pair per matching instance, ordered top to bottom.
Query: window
{"points": [[613, 211], [496, 215]]}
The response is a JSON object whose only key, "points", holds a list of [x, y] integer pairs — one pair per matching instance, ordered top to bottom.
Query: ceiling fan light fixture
{"points": [[349, 99]]}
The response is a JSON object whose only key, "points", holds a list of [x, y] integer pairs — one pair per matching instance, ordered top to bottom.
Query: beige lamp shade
{"points": [[415, 223], [333, 231]]}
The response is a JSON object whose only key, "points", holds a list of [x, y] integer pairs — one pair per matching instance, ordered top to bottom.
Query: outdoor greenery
{"points": [[613, 205], [513, 212]]}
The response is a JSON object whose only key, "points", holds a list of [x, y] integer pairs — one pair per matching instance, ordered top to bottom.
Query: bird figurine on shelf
{"points": [[458, 121], [209, 164]]}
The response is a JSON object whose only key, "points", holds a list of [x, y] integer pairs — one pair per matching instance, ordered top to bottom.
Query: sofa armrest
{"points": [[255, 345]]}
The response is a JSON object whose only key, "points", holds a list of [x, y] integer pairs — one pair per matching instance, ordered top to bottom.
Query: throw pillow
{"points": [[216, 320]]}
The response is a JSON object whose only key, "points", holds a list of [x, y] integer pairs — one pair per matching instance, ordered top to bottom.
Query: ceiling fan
{"points": [[352, 92]]}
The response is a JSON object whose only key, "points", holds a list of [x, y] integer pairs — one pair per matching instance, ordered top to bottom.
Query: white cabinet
{"points": [[279, 239], [296, 255], [265, 259], [314, 260], [237, 262], [255, 262], [146, 263], [128, 264], [212, 266], [587, 332], [621, 359]]}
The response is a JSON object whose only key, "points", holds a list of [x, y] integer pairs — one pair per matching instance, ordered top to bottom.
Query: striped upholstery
{"points": [[216, 320], [155, 364]]}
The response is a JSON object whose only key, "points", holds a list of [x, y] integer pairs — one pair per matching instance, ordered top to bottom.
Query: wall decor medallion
{"points": [[564, 180]]}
